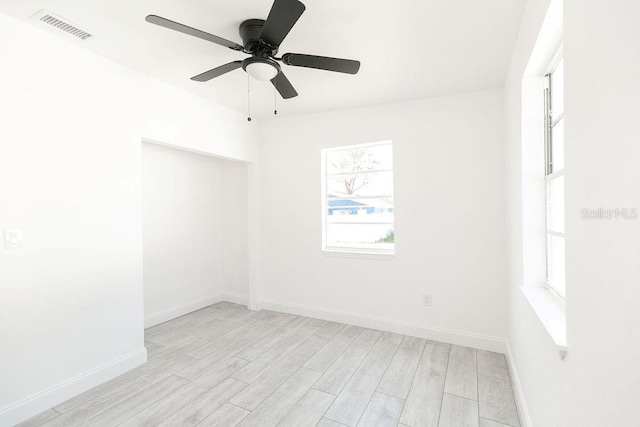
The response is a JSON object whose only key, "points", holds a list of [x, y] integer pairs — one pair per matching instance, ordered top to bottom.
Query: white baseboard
{"points": [[234, 298], [191, 306], [468, 339], [52, 396], [521, 403]]}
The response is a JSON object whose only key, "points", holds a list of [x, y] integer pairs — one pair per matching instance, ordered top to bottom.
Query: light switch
{"points": [[12, 238]]}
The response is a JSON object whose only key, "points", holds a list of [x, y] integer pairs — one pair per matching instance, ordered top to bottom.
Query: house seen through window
{"points": [[357, 187]]}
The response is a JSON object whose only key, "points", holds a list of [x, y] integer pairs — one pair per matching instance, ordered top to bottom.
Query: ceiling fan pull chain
{"points": [[248, 97], [275, 101]]}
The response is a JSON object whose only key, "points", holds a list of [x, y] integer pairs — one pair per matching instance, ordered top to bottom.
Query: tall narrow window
{"points": [[554, 177], [357, 202]]}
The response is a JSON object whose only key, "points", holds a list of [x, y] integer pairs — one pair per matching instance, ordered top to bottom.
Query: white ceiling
{"points": [[409, 49]]}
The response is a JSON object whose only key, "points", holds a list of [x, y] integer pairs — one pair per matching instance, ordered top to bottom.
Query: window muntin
{"points": [[554, 179], [357, 198]]}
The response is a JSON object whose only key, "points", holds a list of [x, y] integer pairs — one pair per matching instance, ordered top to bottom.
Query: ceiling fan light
{"points": [[261, 68], [262, 71]]}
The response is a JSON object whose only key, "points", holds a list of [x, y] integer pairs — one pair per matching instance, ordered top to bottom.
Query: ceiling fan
{"points": [[261, 39]]}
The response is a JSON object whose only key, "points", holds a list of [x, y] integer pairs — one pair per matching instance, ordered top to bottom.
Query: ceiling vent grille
{"points": [[53, 21]]}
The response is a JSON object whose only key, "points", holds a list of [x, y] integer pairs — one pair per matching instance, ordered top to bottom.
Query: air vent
{"points": [[53, 21]]}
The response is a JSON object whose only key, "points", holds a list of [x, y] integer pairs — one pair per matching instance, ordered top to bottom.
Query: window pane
{"points": [[557, 90], [557, 145], [364, 159], [360, 184], [358, 202], [555, 204], [363, 236], [555, 263]]}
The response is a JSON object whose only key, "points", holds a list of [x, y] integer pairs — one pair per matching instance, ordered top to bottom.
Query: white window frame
{"points": [[550, 172], [325, 177]]}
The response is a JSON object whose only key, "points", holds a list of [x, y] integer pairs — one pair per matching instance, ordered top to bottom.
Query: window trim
{"points": [[551, 174], [352, 252], [549, 309]]}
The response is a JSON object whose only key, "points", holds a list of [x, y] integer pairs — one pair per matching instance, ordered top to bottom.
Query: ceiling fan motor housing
{"points": [[250, 31]]}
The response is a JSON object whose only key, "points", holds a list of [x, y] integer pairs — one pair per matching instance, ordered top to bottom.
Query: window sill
{"points": [[357, 254], [551, 312]]}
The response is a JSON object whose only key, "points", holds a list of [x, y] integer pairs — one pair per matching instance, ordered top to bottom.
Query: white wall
{"points": [[70, 137], [235, 232], [450, 234], [194, 247], [598, 383]]}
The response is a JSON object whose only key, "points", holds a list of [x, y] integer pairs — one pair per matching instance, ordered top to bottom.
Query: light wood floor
{"points": [[226, 366]]}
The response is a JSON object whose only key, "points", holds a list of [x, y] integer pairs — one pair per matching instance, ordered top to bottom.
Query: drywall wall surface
{"points": [[70, 145], [449, 219], [194, 231], [235, 232], [598, 382]]}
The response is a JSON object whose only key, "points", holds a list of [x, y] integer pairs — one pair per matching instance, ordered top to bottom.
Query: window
{"points": [[554, 177], [357, 198]]}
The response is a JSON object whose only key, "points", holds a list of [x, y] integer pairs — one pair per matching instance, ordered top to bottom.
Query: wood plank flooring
{"points": [[227, 366]]}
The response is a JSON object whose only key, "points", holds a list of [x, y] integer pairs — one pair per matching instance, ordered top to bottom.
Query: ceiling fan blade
{"points": [[282, 17], [163, 22], [322, 63], [217, 72], [284, 86]]}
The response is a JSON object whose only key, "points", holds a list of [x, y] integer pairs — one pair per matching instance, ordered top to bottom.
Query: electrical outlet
{"points": [[427, 300]]}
